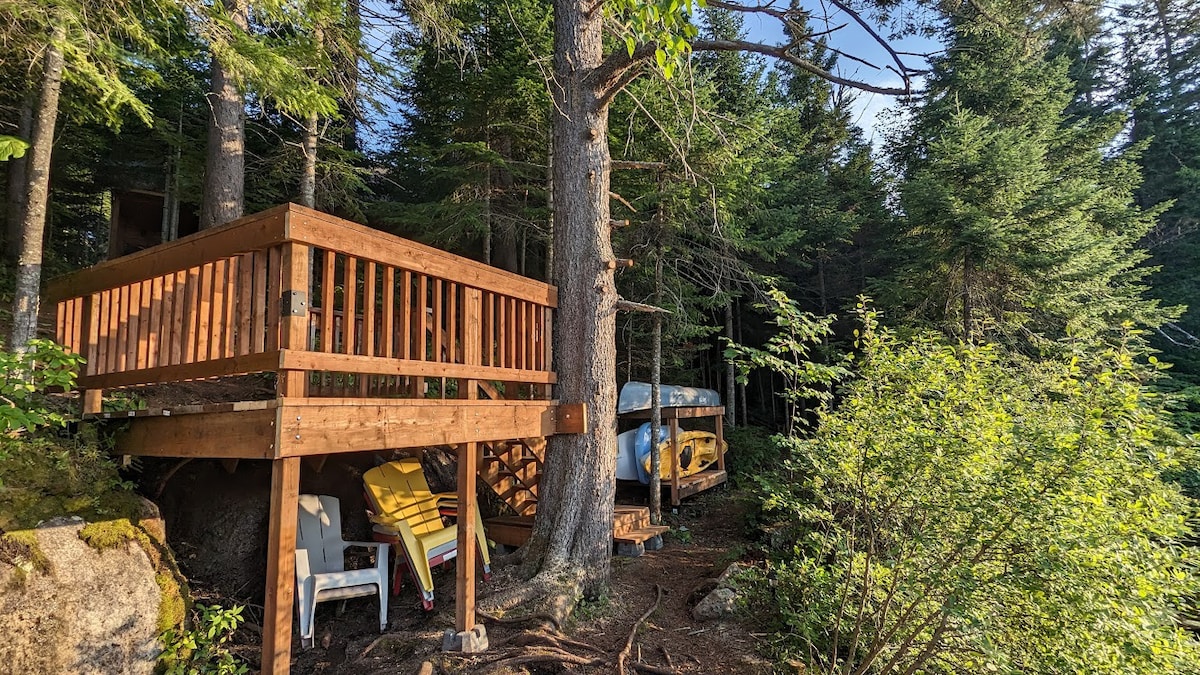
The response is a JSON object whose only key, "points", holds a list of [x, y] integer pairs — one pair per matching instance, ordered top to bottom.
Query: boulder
{"points": [[719, 604], [70, 606]]}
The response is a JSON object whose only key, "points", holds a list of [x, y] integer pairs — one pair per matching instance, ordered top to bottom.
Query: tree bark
{"points": [[225, 163], [308, 175], [18, 181], [27, 294], [730, 372], [656, 400], [570, 549]]}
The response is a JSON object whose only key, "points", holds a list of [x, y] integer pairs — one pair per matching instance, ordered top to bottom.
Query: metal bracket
{"points": [[294, 303]]}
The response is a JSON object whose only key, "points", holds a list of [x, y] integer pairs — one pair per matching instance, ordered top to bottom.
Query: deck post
{"points": [[293, 325], [281, 566], [464, 609], [466, 636]]}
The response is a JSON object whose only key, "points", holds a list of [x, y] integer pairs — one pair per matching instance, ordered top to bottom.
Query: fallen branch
{"points": [[633, 631], [561, 658]]}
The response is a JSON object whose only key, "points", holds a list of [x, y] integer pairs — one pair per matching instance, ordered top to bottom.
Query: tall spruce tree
{"points": [[1161, 60], [468, 163], [1017, 224]]}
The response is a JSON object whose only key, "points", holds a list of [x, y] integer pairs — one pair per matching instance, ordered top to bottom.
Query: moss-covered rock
{"points": [[87, 581]]}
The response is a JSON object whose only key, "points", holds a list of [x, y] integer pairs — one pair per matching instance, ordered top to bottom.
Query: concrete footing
{"points": [[468, 642]]}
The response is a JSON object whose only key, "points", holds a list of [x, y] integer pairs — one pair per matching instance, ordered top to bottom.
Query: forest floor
{"points": [[709, 534]]}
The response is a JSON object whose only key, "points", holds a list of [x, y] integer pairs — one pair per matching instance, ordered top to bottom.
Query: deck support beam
{"points": [[281, 566], [464, 609]]}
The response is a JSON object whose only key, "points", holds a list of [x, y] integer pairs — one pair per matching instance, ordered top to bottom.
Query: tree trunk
{"points": [[308, 175], [18, 181], [224, 197], [550, 207], [27, 293], [968, 321], [730, 372], [656, 400], [570, 549]]}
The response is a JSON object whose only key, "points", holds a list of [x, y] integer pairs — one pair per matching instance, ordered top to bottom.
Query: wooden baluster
{"points": [[328, 284], [191, 293], [274, 296], [245, 302], [388, 305], [349, 311], [406, 311], [179, 312], [204, 313], [124, 315], [422, 317], [510, 318], [144, 322], [216, 322], [368, 324], [502, 325], [91, 334], [258, 334], [522, 334], [438, 339], [488, 341], [453, 342], [153, 343], [229, 343]]}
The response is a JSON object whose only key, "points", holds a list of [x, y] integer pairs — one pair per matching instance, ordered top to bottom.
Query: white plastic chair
{"points": [[321, 573]]}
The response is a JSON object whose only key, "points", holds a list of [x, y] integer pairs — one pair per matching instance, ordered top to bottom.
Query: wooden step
{"points": [[627, 517], [516, 530], [640, 535]]}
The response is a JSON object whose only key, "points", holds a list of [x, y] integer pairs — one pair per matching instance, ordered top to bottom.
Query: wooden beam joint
{"points": [[570, 418]]}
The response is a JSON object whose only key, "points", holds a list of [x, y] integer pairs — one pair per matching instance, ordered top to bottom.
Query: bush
{"points": [[25, 378], [751, 450], [964, 511], [204, 648]]}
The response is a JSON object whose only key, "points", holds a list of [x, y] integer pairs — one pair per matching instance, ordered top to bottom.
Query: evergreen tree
{"points": [[1161, 54], [468, 164], [1015, 224]]}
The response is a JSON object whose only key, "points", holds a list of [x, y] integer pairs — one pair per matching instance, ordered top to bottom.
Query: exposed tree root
{"points": [[553, 593], [518, 619], [555, 641], [624, 653], [560, 657]]}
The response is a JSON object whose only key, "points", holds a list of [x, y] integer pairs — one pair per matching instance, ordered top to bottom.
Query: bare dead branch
{"points": [[782, 53]]}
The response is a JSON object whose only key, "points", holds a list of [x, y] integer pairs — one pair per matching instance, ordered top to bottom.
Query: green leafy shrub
{"points": [[787, 353], [25, 378], [751, 450], [965, 511], [204, 649]]}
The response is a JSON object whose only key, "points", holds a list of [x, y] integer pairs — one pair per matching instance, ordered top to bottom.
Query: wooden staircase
{"points": [[514, 469]]}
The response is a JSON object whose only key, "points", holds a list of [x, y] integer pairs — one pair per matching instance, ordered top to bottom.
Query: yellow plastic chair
{"points": [[405, 511]]}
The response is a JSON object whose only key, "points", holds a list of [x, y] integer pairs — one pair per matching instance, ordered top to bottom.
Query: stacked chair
{"points": [[406, 514], [321, 573]]}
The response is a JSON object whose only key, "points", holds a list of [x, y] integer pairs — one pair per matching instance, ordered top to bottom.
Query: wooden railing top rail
{"points": [[291, 222]]}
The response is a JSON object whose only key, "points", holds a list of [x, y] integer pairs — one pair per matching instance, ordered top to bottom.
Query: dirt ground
{"points": [[709, 534]]}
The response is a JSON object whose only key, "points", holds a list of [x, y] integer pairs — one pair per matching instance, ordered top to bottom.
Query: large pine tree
{"points": [[1017, 222]]}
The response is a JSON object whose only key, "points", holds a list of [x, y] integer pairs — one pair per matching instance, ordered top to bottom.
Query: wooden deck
{"points": [[375, 343]]}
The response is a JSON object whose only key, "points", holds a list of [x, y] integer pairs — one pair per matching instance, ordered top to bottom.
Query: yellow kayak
{"points": [[697, 452]]}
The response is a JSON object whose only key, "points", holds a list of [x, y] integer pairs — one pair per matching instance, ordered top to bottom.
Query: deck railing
{"points": [[292, 290]]}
